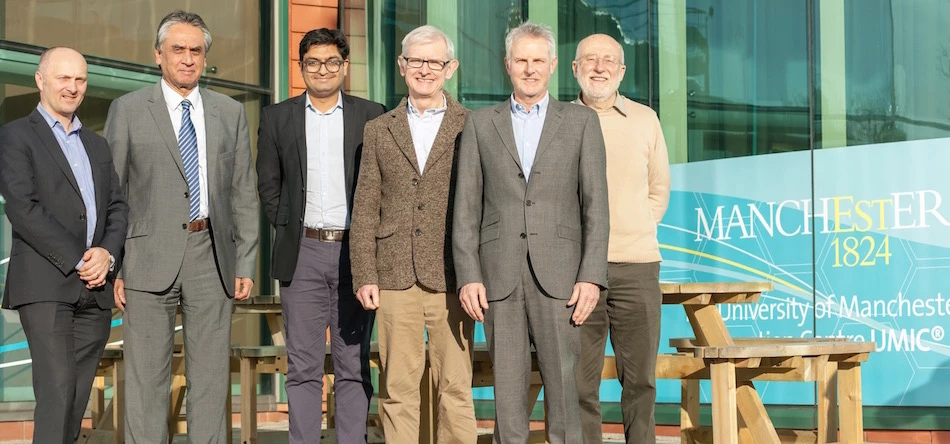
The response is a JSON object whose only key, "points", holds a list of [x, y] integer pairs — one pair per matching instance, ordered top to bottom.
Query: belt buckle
{"points": [[331, 235]]}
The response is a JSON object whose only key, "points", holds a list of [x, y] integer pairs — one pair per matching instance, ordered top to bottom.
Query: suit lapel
{"points": [[160, 113], [299, 118], [552, 122], [452, 123], [351, 126], [399, 128], [213, 131], [506, 131], [45, 134]]}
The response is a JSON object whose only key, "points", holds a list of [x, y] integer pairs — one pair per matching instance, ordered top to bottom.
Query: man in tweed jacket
{"points": [[400, 246]]}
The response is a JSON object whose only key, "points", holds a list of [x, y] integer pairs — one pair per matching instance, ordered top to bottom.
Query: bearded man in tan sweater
{"points": [[638, 188]]}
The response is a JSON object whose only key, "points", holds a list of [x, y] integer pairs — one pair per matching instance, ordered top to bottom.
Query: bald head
{"points": [[601, 43], [60, 54], [599, 69], [61, 79]]}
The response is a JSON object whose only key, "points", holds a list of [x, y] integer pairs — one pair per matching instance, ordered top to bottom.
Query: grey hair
{"points": [[181, 17], [528, 29], [428, 34]]}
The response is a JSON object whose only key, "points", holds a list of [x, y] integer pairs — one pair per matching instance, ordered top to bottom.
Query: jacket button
{"points": [[521, 175], [414, 182], [186, 194], [528, 203], [422, 206], [82, 217], [184, 226], [418, 232], [523, 236]]}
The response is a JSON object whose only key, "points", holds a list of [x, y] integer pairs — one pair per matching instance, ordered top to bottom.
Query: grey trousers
{"points": [[321, 295], [630, 310], [512, 325], [149, 330], [66, 342]]}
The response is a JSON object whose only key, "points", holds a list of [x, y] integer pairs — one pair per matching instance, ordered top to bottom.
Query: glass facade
{"points": [[118, 40], [803, 137]]}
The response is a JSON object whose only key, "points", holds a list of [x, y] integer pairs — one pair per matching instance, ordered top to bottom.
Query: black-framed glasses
{"points": [[313, 65], [435, 65]]}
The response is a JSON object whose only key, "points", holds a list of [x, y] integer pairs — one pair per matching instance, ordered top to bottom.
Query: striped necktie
{"points": [[188, 144]]}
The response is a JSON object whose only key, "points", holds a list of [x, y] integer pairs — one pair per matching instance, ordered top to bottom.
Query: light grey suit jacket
{"points": [[148, 162], [559, 218]]}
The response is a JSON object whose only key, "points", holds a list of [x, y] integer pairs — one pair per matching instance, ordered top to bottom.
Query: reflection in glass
{"points": [[125, 30], [747, 78]]}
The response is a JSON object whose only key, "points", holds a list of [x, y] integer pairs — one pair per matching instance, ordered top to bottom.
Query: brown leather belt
{"points": [[199, 225], [325, 235]]}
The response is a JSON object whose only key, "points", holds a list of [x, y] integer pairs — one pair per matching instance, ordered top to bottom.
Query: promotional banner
{"points": [[859, 250]]}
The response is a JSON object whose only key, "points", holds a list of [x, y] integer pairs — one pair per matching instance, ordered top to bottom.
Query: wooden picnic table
{"points": [[732, 363]]}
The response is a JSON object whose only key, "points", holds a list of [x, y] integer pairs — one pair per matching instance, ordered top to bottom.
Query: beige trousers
{"points": [[402, 321]]}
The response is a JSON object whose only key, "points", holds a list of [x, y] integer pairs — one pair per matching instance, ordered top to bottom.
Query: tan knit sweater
{"points": [[638, 179]]}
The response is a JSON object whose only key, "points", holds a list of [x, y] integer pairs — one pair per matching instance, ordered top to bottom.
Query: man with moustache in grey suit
{"points": [[183, 155], [530, 235]]}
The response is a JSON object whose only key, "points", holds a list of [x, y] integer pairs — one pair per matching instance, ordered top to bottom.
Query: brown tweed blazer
{"points": [[399, 231]]}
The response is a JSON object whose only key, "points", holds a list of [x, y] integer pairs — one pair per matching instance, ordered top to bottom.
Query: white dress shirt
{"points": [[173, 103], [424, 128], [326, 178]]}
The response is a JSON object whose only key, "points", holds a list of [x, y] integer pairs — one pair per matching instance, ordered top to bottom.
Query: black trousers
{"points": [[66, 342]]}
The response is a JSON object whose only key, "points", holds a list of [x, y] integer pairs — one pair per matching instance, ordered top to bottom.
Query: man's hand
{"points": [[95, 267], [242, 288], [118, 292], [368, 295], [473, 299], [584, 300]]}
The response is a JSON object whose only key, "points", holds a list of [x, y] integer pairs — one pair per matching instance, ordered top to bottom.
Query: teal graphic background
{"points": [[806, 301]]}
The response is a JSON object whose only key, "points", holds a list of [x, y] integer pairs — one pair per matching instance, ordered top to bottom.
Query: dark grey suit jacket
{"points": [[148, 162], [282, 169], [48, 215], [559, 218]]}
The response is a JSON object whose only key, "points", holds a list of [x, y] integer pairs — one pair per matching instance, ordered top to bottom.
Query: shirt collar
{"points": [[173, 99], [620, 103], [339, 104], [541, 107], [414, 112], [76, 125]]}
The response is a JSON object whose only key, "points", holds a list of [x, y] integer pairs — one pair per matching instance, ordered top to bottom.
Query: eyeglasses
{"points": [[593, 60], [313, 65], [435, 65]]}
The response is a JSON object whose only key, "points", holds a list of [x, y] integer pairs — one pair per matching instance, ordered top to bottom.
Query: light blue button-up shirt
{"points": [[424, 128], [527, 128], [75, 153], [326, 179]]}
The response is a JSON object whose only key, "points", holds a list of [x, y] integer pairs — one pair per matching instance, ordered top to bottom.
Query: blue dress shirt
{"points": [[527, 125], [75, 153]]}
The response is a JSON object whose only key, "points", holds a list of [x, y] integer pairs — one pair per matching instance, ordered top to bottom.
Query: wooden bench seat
{"points": [[834, 363]]}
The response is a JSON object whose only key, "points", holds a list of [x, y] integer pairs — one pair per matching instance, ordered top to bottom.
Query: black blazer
{"points": [[282, 167], [48, 216]]}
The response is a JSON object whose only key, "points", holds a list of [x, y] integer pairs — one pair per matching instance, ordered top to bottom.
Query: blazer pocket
{"points": [[490, 219], [138, 228], [382, 232], [489, 233], [568, 233]]}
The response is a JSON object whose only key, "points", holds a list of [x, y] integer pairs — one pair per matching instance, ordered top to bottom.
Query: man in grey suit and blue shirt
{"points": [[183, 155], [530, 235]]}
